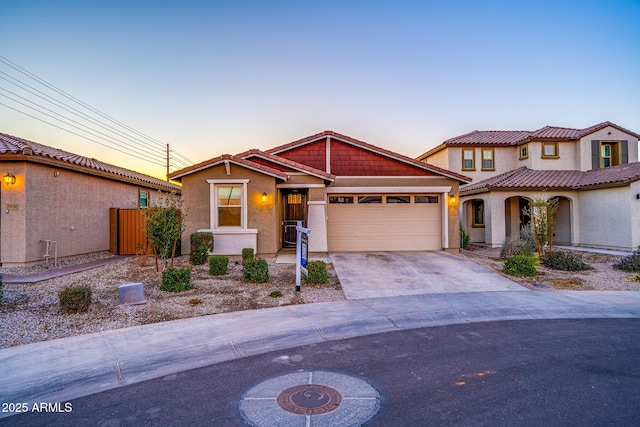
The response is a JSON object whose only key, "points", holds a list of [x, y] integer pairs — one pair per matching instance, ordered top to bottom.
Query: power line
{"points": [[90, 131], [81, 136], [154, 144]]}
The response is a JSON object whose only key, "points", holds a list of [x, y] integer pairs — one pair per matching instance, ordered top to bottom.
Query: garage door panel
{"points": [[380, 227]]}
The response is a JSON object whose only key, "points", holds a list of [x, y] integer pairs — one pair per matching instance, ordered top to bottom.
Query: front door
{"points": [[294, 209]]}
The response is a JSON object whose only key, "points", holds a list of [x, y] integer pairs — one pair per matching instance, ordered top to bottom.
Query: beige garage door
{"points": [[389, 222]]}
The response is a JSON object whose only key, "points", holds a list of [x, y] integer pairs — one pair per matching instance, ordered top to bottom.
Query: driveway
{"points": [[385, 274]]}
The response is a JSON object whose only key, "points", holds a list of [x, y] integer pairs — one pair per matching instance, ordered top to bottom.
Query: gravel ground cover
{"points": [[603, 277], [31, 312]]}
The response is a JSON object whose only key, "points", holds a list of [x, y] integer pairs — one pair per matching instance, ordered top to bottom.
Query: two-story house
{"points": [[594, 172]]}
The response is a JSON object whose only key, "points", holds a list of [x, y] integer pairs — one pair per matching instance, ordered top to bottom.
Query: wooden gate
{"points": [[127, 232]]}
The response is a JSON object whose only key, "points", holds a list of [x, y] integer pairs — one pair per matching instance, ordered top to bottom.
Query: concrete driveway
{"points": [[385, 274]]}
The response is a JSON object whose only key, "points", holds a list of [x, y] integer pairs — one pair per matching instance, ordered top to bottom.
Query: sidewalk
{"points": [[61, 271], [68, 368]]}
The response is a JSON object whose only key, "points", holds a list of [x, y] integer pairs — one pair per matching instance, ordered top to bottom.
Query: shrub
{"points": [[465, 237], [201, 245], [513, 246], [247, 253], [563, 260], [629, 263], [218, 265], [520, 265], [255, 270], [317, 272], [176, 279], [275, 294], [75, 299]]}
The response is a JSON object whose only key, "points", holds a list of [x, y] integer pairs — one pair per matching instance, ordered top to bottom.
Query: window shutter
{"points": [[624, 152], [595, 154]]}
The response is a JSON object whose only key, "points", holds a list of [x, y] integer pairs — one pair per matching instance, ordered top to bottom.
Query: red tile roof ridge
{"points": [[34, 148], [228, 157], [294, 165]]}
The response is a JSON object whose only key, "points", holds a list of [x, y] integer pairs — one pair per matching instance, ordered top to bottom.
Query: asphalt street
{"points": [[582, 372]]}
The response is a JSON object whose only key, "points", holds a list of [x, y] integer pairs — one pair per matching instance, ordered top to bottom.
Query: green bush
{"points": [[466, 237], [201, 245], [247, 253], [563, 260], [630, 263], [218, 265], [520, 265], [255, 270], [317, 272], [176, 279], [275, 294], [75, 299]]}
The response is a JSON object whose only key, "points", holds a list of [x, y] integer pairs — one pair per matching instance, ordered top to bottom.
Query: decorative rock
{"points": [[131, 293]]}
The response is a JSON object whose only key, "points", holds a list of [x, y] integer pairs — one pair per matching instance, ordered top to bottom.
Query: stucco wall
{"points": [[607, 134], [441, 159], [505, 159], [568, 159], [196, 194], [71, 208], [606, 218]]}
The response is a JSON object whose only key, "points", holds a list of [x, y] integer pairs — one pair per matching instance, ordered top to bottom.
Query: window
{"points": [[550, 150], [524, 152], [605, 155], [468, 159], [487, 159], [143, 199], [369, 199], [398, 199], [425, 199], [341, 200], [229, 201], [478, 213]]}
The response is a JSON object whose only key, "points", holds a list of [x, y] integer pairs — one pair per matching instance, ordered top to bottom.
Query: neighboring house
{"points": [[594, 172], [51, 195], [352, 195]]}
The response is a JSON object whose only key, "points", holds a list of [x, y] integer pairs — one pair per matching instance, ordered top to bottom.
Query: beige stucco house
{"points": [[594, 172], [49, 195], [353, 196]]}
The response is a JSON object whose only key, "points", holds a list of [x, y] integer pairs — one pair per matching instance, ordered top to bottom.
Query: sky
{"points": [[221, 77]]}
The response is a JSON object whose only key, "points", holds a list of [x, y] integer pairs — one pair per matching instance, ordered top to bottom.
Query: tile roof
{"points": [[500, 137], [14, 145], [373, 148], [231, 159], [286, 162], [525, 178]]}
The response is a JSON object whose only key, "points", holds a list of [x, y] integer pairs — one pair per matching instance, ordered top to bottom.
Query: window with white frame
{"points": [[228, 204]]}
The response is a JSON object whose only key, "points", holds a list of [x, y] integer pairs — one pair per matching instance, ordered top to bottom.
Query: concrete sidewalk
{"points": [[60, 271], [68, 368]]}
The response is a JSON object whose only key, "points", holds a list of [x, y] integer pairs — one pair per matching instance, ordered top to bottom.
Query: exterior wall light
{"points": [[9, 179], [264, 197], [452, 199]]}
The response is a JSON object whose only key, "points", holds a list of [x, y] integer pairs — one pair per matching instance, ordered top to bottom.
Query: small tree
{"points": [[541, 211], [164, 226]]}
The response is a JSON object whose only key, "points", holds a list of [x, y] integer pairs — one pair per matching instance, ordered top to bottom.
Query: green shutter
{"points": [[624, 152], [595, 154]]}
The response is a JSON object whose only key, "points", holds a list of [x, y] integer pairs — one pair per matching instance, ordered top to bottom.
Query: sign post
{"points": [[302, 252]]}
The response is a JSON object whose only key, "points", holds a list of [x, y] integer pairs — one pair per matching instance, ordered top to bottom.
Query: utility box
{"points": [[131, 293]]}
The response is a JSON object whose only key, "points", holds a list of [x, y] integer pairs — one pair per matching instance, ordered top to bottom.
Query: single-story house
{"points": [[594, 172], [352, 195], [58, 203]]}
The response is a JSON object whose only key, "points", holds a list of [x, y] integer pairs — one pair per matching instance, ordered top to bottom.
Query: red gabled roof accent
{"points": [[280, 150], [231, 159], [286, 162]]}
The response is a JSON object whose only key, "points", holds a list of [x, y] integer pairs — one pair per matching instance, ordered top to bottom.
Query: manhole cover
{"points": [[309, 399]]}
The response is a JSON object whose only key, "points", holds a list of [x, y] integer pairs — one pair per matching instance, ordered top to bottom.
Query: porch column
{"points": [[494, 220], [317, 223]]}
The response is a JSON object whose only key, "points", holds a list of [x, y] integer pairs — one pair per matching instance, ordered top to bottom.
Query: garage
{"points": [[385, 222]]}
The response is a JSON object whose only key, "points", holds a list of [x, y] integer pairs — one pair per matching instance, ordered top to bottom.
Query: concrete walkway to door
{"points": [[386, 274]]}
